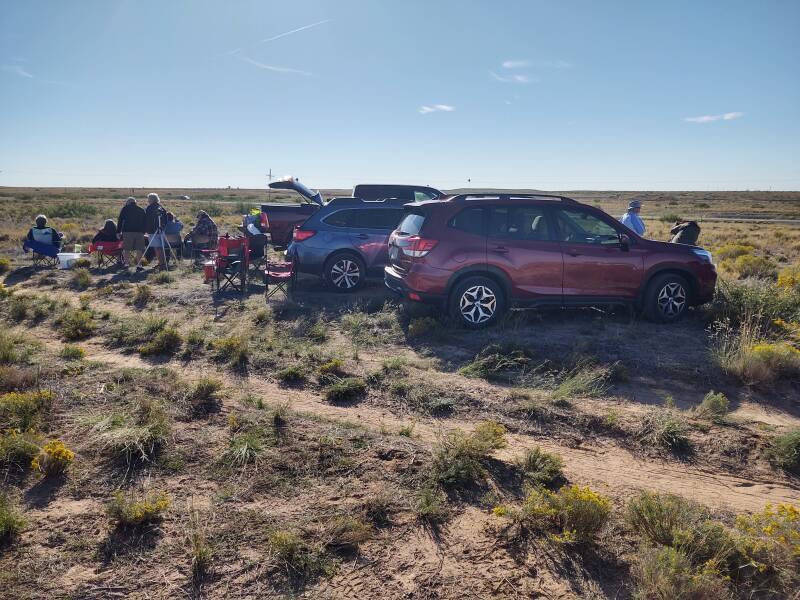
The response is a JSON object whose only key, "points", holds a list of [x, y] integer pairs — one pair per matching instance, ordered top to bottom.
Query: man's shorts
{"points": [[133, 240]]}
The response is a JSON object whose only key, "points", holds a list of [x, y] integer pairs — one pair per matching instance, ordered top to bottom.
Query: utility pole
{"points": [[269, 189]]}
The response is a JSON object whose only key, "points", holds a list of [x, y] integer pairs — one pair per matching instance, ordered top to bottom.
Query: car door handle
{"points": [[500, 249]]}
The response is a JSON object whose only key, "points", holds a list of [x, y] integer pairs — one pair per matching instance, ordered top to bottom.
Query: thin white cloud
{"points": [[285, 33], [515, 64], [552, 64], [261, 65], [16, 70], [515, 78], [426, 109], [729, 116]]}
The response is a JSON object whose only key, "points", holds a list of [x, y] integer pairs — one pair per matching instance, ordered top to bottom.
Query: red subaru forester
{"points": [[478, 254]]}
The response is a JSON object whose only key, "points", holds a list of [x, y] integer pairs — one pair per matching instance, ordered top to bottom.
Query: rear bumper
{"points": [[395, 282], [706, 282]]}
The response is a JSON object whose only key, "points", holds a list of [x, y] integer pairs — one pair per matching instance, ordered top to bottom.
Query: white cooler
{"points": [[67, 259]]}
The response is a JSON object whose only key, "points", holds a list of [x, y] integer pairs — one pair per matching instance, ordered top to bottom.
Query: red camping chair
{"points": [[108, 253], [227, 265], [279, 276]]}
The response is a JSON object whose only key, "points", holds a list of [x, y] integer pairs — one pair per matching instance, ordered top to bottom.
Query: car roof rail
{"points": [[512, 196], [351, 200]]}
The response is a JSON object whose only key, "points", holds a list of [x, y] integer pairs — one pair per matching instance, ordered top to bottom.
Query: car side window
{"points": [[419, 196], [342, 218], [383, 218], [469, 220], [519, 223], [581, 227]]}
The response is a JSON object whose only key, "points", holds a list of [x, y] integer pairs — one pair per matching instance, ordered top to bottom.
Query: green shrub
{"points": [[73, 210], [670, 218], [732, 251], [82, 263], [5, 265], [756, 266], [162, 277], [81, 279], [142, 294], [754, 299], [18, 308], [76, 324], [166, 342], [8, 349], [234, 350], [70, 352], [498, 362], [331, 369], [292, 375], [585, 381], [346, 390], [204, 395], [714, 407], [22, 410], [664, 428], [18, 449], [243, 449], [785, 451], [458, 458], [540, 467], [430, 506], [132, 512], [657, 517], [11, 523], [345, 533], [297, 558], [667, 574]]}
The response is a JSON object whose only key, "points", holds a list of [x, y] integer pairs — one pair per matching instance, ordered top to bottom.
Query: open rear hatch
{"points": [[291, 183]]}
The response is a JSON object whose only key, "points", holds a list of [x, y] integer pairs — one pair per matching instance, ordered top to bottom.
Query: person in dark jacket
{"points": [[156, 219], [131, 226], [685, 232], [43, 233], [107, 234]]}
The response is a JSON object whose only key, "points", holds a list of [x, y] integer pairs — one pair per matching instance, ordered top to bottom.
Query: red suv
{"points": [[478, 254]]}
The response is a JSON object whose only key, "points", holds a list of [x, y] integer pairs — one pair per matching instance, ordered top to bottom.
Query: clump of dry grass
{"points": [[457, 460], [131, 511]]}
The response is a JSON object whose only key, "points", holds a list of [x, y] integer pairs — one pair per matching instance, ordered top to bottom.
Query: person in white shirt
{"points": [[631, 218]]}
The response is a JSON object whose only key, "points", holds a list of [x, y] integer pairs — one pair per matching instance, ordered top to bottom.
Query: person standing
{"points": [[631, 218], [155, 221], [131, 226]]}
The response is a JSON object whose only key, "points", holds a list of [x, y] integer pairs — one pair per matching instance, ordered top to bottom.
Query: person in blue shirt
{"points": [[631, 218]]}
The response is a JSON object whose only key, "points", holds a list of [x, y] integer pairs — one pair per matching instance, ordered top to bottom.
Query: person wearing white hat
{"points": [[631, 218]]}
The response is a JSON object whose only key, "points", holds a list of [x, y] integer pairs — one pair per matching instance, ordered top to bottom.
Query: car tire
{"points": [[344, 272], [667, 298], [477, 302]]}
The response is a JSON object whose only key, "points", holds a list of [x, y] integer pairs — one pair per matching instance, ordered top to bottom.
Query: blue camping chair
{"points": [[44, 255]]}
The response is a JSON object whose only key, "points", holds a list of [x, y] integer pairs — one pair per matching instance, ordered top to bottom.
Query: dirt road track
{"points": [[608, 468]]}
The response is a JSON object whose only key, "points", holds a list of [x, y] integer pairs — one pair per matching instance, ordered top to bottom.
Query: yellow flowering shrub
{"points": [[789, 278], [781, 358], [21, 410], [53, 458], [131, 512], [574, 514], [769, 542]]}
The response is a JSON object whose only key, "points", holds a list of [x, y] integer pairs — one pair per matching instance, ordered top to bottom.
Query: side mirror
{"points": [[624, 242]]}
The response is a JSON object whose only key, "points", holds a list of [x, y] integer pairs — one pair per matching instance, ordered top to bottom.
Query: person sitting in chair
{"points": [[172, 232], [44, 234], [107, 234], [205, 234]]}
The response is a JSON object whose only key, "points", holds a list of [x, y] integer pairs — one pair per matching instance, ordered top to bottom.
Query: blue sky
{"points": [[550, 95]]}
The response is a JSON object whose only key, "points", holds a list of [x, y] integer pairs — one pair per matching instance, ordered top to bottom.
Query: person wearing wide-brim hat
{"points": [[631, 218]]}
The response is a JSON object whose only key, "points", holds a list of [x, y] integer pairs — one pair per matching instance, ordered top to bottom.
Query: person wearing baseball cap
{"points": [[631, 218]]}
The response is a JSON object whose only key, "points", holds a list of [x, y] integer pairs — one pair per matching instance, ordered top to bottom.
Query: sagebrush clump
{"points": [[458, 458], [132, 512]]}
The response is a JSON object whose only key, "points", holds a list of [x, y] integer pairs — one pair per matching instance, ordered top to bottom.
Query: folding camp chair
{"points": [[108, 254], [44, 255], [231, 264], [279, 276]]}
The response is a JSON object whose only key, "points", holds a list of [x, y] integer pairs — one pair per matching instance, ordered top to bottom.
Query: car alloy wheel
{"points": [[345, 274], [671, 300], [478, 304]]}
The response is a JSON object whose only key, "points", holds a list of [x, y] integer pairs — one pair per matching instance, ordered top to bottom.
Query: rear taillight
{"points": [[302, 234], [418, 247]]}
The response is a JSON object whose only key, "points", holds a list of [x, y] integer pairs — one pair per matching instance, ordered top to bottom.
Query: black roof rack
{"points": [[512, 196], [351, 200]]}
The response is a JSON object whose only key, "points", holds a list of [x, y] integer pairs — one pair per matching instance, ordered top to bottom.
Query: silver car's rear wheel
{"points": [[345, 272], [477, 304]]}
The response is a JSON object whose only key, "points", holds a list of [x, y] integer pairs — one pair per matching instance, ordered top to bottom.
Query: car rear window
{"points": [[411, 224]]}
